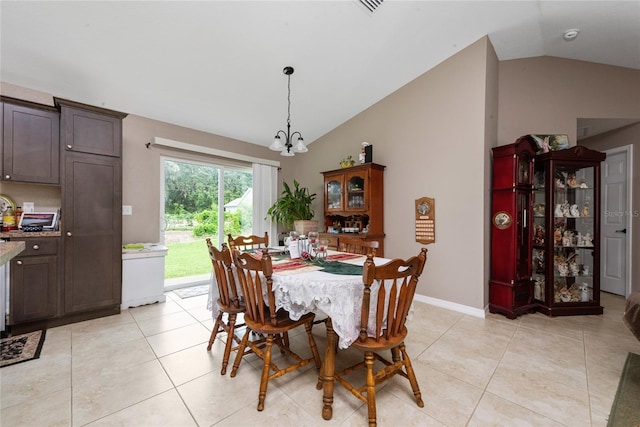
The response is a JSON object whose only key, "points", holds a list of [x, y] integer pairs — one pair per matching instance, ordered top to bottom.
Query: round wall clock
{"points": [[5, 202], [502, 220]]}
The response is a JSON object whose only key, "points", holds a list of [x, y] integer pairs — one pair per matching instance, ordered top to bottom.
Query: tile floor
{"points": [[149, 366]]}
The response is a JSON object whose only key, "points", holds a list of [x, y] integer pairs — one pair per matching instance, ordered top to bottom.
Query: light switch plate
{"points": [[28, 207], [127, 210]]}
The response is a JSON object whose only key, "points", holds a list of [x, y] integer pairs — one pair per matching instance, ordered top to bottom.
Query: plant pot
{"points": [[303, 227]]}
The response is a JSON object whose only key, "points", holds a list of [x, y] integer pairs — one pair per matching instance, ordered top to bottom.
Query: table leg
{"points": [[328, 370]]}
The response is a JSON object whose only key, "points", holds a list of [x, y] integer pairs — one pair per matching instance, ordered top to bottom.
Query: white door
{"points": [[615, 233]]}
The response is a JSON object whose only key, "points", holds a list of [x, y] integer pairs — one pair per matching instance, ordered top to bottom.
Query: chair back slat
{"points": [[243, 243], [357, 246], [251, 272], [395, 283], [227, 287]]}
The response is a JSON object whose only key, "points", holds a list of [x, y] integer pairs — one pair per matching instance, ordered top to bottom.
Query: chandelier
{"points": [[288, 148]]}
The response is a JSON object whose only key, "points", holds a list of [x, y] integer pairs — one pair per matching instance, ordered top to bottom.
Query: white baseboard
{"points": [[451, 306]]}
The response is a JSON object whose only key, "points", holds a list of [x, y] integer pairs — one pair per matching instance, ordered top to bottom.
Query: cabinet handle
{"points": [[69, 146], [7, 177], [69, 233], [36, 247], [19, 262]]}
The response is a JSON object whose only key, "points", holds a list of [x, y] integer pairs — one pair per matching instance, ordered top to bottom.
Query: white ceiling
{"points": [[217, 66]]}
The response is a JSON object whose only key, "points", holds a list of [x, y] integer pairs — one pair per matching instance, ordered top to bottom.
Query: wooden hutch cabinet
{"points": [[354, 199], [566, 232], [510, 285]]}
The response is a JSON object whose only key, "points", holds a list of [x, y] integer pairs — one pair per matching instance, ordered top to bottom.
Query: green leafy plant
{"points": [[292, 205]]}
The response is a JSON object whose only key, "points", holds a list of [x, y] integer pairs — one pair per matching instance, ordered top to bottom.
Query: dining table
{"points": [[331, 288]]}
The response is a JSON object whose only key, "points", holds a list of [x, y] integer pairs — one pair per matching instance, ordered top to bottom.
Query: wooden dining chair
{"points": [[243, 243], [357, 246], [388, 292], [228, 302], [262, 317]]}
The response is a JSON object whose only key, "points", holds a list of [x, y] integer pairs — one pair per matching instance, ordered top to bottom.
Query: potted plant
{"points": [[293, 208]]}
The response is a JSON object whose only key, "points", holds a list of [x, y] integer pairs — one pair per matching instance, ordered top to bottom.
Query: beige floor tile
{"points": [[193, 302], [155, 310], [200, 313], [167, 322], [94, 337], [179, 339], [470, 350], [110, 358], [193, 362], [540, 371], [33, 379], [95, 397], [213, 397], [446, 398], [563, 402], [165, 409], [51, 410], [279, 411], [393, 411], [494, 411]]}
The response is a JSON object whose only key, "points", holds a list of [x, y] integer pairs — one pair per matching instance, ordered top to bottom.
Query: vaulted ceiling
{"points": [[217, 66]]}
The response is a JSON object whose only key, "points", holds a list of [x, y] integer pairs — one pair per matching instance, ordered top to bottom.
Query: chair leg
{"points": [[214, 331], [312, 343], [227, 348], [240, 353], [266, 367], [412, 376], [371, 388]]}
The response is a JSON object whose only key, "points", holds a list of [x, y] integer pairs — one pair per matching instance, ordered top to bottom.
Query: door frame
{"points": [[628, 149]]}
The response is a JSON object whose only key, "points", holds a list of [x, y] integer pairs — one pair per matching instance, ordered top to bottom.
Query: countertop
{"points": [[19, 234], [9, 250]]}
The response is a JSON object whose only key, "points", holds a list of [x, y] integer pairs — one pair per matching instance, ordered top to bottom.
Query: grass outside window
{"points": [[187, 259]]}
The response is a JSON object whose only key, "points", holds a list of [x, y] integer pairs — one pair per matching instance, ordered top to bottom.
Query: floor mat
{"points": [[192, 291], [21, 348]]}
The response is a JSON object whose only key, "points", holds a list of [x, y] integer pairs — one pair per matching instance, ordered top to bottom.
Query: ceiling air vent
{"points": [[370, 5]]}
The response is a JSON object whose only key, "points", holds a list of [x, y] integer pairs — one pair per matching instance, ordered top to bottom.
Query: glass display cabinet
{"points": [[566, 232], [510, 285]]}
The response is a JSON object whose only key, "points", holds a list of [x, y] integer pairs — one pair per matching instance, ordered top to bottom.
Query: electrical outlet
{"points": [[28, 207], [127, 210]]}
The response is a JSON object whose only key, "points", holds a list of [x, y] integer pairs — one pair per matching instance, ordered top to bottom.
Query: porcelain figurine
{"points": [[585, 209], [574, 211], [558, 212], [567, 238], [588, 240], [575, 268]]}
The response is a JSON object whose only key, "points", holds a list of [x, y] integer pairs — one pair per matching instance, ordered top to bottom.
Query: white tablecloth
{"points": [[325, 294]]}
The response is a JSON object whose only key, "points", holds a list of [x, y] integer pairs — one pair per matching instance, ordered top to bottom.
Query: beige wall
{"points": [[547, 95], [431, 135], [628, 135]]}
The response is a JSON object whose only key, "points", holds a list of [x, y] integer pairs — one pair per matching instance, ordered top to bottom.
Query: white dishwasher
{"points": [[143, 275]]}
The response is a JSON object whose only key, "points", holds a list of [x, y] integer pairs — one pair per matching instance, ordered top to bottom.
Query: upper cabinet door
{"points": [[91, 130], [30, 145], [334, 188], [357, 193]]}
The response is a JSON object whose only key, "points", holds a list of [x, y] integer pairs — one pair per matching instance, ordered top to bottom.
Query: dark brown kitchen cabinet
{"points": [[89, 129], [30, 143], [91, 207], [34, 282]]}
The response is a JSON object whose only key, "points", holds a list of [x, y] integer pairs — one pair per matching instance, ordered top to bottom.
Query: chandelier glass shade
{"points": [[293, 142]]}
